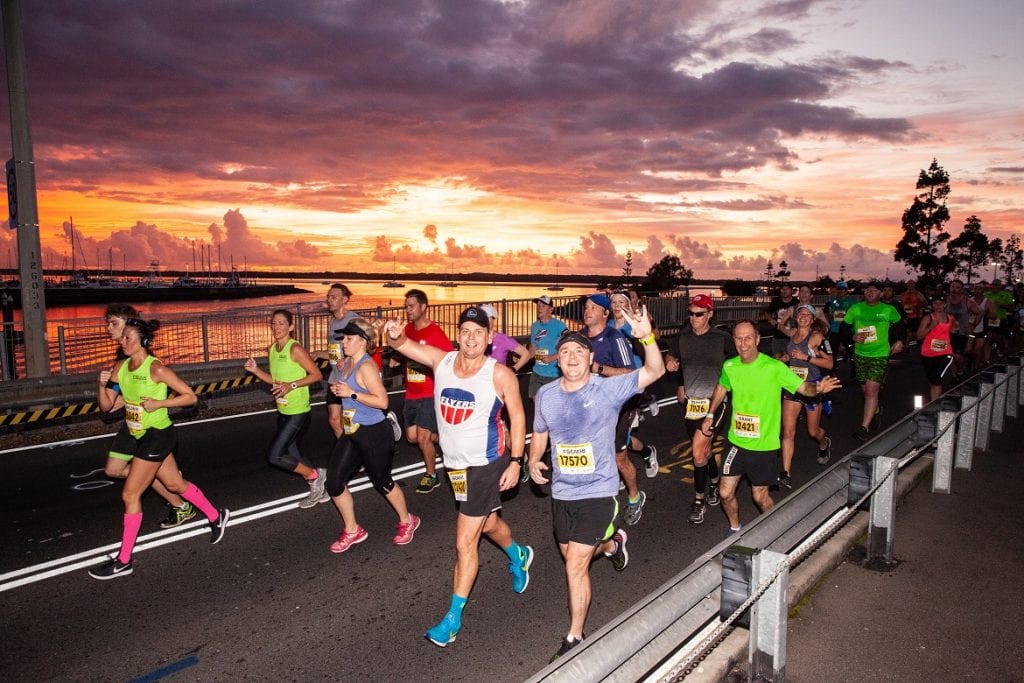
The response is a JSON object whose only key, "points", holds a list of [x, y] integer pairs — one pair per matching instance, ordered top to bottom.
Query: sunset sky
{"points": [[493, 135]]}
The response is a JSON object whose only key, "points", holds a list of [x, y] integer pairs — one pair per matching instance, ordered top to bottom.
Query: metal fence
{"points": [[78, 346], [662, 636]]}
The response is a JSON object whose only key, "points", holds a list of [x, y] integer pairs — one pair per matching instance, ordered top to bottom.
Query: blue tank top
{"points": [[803, 368], [355, 413]]}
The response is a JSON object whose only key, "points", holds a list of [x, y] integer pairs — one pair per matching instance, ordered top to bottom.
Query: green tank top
{"points": [[284, 369], [136, 384]]}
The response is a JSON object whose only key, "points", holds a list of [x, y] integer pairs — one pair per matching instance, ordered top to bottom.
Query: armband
{"points": [[648, 340]]}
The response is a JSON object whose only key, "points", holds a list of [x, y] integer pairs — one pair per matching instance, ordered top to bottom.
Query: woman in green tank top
{"points": [[292, 372], [148, 437]]}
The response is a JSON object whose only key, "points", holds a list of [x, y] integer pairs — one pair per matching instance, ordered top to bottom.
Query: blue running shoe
{"points": [[521, 572], [445, 631]]}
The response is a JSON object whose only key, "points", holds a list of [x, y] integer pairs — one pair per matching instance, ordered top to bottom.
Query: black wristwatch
{"points": [[353, 396], [517, 460]]}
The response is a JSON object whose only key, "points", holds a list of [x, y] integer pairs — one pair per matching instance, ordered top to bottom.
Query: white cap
{"points": [[489, 310]]}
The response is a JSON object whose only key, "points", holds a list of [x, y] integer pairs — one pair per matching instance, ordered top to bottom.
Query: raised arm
{"points": [[424, 354], [654, 364]]}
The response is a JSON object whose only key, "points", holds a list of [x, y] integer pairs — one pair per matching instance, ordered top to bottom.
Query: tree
{"points": [[923, 222], [971, 249], [1012, 257], [627, 269], [783, 272], [667, 274]]}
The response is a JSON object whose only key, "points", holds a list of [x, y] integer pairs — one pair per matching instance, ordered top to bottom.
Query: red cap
{"points": [[703, 301]]}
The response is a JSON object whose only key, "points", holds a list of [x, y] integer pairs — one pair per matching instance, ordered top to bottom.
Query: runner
{"points": [[338, 296], [785, 300], [622, 303], [913, 306], [963, 309], [835, 311], [545, 331], [877, 333], [935, 334], [503, 345], [979, 347], [701, 350], [613, 356], [808, 357], [292, 372], [756, 381], [471, 390], [577, 415], [420, 420], [148, 436], [366, 441], [118, 465]]}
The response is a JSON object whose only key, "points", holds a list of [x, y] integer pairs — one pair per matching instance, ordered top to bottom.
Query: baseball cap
{"points": [[842, 284], [543, 299], [601, 300], [703, 301], [807, 307], [489, 310], [475, 314], [359, 327], [580, 339]]}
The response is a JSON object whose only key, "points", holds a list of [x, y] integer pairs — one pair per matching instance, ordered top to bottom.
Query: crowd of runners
{"points": [[588, 390]]}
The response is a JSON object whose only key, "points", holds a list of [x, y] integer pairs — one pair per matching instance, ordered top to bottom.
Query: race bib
{"points": [[839, 316], [996, 322], [870, 331], [938, 345], [334, 353], [539, 355], [799, 371], [414, 376], [282, 400], [697, 408], [133, 418], [349, 425], [746, 426], [575, 458], [460, 484]]}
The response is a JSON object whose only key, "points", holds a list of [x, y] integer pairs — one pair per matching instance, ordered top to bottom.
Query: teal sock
{"points": [[514, 552], [458, 603]]}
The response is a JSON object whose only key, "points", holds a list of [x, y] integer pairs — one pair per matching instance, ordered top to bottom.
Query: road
{"points": [[271, 601]]}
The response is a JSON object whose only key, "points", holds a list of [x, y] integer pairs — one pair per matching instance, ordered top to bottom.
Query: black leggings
{"points": [[373, 448], [284, 449]]}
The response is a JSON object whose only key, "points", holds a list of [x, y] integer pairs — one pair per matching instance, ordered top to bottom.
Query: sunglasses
{"points": [[697, 314]]}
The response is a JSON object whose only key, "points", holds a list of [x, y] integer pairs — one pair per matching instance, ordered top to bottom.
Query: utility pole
{"points": [[25, 210]]}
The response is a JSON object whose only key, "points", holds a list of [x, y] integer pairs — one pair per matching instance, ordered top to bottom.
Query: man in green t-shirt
{"points": [[870, 321], [756, 382]]}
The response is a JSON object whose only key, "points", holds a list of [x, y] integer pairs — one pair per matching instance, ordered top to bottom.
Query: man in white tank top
{"points": [[470, 392]]}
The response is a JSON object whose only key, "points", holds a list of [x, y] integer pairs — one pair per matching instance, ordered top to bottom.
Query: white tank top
{"points": [[468, 415]]}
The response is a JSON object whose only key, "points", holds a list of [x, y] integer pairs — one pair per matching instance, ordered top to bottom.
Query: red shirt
{"points": [[419, 382]]}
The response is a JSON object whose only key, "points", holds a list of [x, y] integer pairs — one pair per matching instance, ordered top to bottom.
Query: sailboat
{"points": [[393, 282], [451, 282], [555, 287]]}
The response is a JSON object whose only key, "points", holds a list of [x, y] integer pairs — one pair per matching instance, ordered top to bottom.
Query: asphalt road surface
{"points": [[272, 602]]}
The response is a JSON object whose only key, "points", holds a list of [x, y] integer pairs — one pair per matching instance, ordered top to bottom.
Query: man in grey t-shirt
{"points": [[577, 414]]}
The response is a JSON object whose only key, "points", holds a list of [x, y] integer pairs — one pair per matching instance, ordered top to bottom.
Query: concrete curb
{"points": [[803, 580]]}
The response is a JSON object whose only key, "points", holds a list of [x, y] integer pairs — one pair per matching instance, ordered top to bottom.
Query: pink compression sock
{"points": [[193, 495], [129, 532]]}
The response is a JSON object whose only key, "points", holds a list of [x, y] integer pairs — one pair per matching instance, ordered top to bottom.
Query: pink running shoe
{"points": [[406, 531], [347, 540]]}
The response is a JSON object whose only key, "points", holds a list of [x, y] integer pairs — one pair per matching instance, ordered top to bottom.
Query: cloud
{"points": [[430, 232]]}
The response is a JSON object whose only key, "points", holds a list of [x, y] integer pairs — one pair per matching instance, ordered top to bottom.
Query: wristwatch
{"points": [[295, 385], [353, 396], [516, 459]]}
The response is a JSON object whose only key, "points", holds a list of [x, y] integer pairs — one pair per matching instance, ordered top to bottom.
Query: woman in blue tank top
{"points": [[808, 355], [366, 441]]}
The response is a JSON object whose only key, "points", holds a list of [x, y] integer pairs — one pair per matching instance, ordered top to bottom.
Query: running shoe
{"points": [[396, 429], [862, 433], [825, 454], [651, 461], [785, 479], [428, 483], [316, 490], [712, 496], [633, 511], [697, 511], [177, 516], [219, 525], [406, 531], [729, 531], [347, 540], [619, 558], [111, 569], [521, 572], [445, 631], [565, 647]]}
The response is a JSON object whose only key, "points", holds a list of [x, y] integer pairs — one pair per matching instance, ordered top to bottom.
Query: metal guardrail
{"points": [[662, 635]]}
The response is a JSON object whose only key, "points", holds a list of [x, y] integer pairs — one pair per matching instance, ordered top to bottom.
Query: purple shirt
{"points": [[501, 346]]}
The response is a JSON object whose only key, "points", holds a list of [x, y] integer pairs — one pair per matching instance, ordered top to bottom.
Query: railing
{"points": [[78, 346], [663, 635]]}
